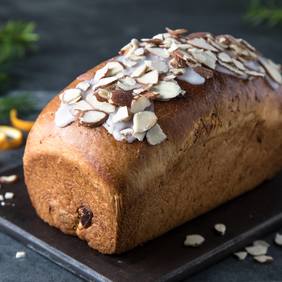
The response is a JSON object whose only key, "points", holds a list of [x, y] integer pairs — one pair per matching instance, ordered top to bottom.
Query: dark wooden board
{"points": [[163, 259]]}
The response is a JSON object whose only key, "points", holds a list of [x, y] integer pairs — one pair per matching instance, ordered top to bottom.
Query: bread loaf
{"points": [[169, 129]]}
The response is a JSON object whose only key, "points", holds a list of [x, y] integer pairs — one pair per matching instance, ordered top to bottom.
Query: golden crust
{"points": [[223, 140]]}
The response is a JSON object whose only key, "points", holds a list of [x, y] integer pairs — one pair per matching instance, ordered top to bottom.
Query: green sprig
{"points": [[259, 13]]}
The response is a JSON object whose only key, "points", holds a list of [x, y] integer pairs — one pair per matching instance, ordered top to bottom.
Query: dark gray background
{"points": [[76, 35]]}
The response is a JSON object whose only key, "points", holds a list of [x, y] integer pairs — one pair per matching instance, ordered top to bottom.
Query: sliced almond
{"points": [[176, 32], [202, 43], [139, 52], [161, 52], [224, 57], [206, 58], [238, 64], [160, 66], [114, 68], [233, 69], [272, 69], [140, 70], [204, 72], [100, 73], [149, 78], [107, 80], [127, 84], [83, 85], [142, 89], [167, 89], [102, 95], [151, 95], [71, 96], [121, 97], [139, 104], [80, 106], [100, 106], [121, 114], [92, 118], [143, 121], [126, 132], [155, 135], [8, 179], [9, 195], [220, 228], [278, 239], [194, 240], [256, 250], [241, 255], [263, 259]]}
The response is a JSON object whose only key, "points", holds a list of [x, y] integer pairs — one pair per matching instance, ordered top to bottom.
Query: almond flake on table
{"points": [[8, 179], [9, 195], [1, 197], [220, 228], [278, 239], [194, 240], [262, 243], [257, 250], [20, 254], [241, 255], [263, 259]]}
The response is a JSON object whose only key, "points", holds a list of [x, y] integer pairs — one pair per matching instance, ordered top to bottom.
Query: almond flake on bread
{"points": [[202, 44], [158, 51], [206, 58], [272, 69], [140, 70], [150, 77], [127, 83], [83, 85], [167, 89], [102, 95], [71, 96], [121, 98], [139, 104], [100, 106], [122, 114], [92, 118], [143, 121], [155, 135]]}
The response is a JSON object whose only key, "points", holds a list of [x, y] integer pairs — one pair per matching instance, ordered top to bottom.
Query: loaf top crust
{"points": [[223, 101]]}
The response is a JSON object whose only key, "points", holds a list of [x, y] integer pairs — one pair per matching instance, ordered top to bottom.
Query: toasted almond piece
{"points": [[176, 32], [202, 43], [161, 52], [224, 57], [206, 58], [238, 64], [160, 66], [114, 68], [233, 69], [272, 69], [140, 70], [150, 77], [192, 77], [107, 80], [83, 85], [167, 89], [102, 95], [71, 96], [121, 97], [139, 104], [80, 106], [100, 106], [121, 114], [92, 118], [143, 121], [155, 135], [8, 179], [9, 195], [220, 228], [278, 239], [194, 240], [256, 250], [241, 255], [263, 259]]}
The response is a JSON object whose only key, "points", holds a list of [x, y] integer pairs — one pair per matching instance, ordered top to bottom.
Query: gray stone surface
{"points": [[76, 35]]}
